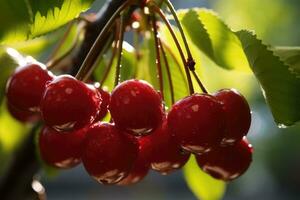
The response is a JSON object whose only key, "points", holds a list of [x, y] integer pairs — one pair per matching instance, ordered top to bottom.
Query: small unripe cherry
{"points": [[26, 86], [69, 104], [136, 107], [237, 115], [23, 116], [197, 123], [61, 150], [108, 153], [166, 154], [227, 163], [140, 167]]}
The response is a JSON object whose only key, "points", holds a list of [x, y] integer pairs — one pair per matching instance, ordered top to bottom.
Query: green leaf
{"points": [[21, 20], [214, 38], [290, 55], [279, 78], [280, 84], [202, 185]]}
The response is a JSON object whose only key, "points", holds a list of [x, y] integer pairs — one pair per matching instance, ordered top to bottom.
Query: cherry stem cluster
{"points": [[90, 58], [188, 63]]}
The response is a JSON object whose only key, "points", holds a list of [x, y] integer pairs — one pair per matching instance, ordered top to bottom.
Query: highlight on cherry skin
{"points": [[25, 87], [77, 103], [136, 107], [237, 115], [197, 123], [61, 150], [108, 153], [227, 163]]}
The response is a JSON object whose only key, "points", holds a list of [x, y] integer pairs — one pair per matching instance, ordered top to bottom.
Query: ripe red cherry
{"points": [[26, 86], [69, 104], [104, 105], [136, 107], [237, 115], [23, 116], [197, 122], [62, 150], [108, 153], [166, 154], [227, 163], [141, 166]]}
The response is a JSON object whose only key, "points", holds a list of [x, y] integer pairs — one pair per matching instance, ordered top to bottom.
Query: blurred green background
{"points": [[274, 173]]}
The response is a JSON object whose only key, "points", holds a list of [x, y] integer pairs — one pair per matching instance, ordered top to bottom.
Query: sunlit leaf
{"points": [[21, 20], [213, 37], [280, 84], [203, 186]]}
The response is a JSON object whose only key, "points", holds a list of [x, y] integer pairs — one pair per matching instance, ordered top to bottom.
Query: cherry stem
{"points": [[157, 10], [173, 11], [61, 42], [105, 49], [120, 50], [174, 58], [89, 59], [158, 60], [190, 61], [109, 65], [168, 71], [204, 90]]}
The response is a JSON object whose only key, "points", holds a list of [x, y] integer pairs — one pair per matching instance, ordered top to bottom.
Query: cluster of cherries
{"points": [[140, 137]]}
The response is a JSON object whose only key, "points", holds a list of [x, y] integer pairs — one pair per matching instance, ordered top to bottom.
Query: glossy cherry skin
{"points": [[25, 87], [69, 104], [104, 105], [136, 107], [237, 115], [23, 116], [197, 123], [61, 150], [108, 153], [166, 154], [227, 163], [141, 166]]}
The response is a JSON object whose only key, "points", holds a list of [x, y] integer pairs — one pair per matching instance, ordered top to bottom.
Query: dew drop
{"points": [[281, 126]]}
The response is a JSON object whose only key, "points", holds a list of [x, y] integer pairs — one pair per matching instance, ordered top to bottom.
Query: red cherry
{"points": [[26, 86], [69, 104], [104, 105], [136, 107], [237, 115], [23, 116], [197, 122], [62, 150], [108, 153], [166, 155], [227, 163], [140, 167]]}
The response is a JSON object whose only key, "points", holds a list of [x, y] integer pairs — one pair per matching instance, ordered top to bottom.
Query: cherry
{"points": [[26, 86], [69, 104], [104, 105], [136, 107], [237, 113], [23, 116], [197, 122], [62, 150], [108, 153], [166, 154], [227, 163], [141, 166]]}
